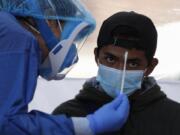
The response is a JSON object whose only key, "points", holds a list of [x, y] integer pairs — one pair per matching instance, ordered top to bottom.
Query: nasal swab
{"points": [[124, 71]]}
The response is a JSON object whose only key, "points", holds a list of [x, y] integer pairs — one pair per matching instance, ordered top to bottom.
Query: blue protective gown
{"points": [[19, 61]]}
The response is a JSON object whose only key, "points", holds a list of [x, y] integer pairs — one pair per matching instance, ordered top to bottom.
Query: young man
{"points": [[38, 37], [127, 40]]}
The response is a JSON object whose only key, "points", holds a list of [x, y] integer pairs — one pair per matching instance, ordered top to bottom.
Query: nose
{"points": [[123, 62], [119, 65]]}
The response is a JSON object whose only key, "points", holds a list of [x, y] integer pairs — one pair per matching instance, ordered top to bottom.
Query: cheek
{"points": [[55, 28], [57, 33], [43, 47], [103, 61]]}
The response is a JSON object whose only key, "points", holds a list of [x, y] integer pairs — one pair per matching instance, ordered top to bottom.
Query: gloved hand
{"points": [[111, 116]]}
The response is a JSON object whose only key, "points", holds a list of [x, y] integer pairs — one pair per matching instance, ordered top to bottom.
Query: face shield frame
{"points": [[59, 53]]}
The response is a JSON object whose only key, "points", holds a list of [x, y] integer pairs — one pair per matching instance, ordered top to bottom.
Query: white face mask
{"points": [[110, 80]]}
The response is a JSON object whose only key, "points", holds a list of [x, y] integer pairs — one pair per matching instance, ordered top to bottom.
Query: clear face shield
{"points": [[74, 24], [64, 54]]}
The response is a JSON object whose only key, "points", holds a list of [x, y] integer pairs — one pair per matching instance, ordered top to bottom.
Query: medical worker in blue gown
{"points": [[42, 37]]}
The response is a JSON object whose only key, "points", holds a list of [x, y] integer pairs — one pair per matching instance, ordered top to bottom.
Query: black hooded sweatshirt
{"points": [[151, 112]]}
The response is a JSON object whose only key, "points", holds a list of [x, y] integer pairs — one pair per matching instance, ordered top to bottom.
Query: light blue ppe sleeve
{"points": [[19, 62], [110, 117], [81, 126]]}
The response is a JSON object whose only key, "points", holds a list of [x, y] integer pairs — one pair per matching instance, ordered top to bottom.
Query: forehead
{"points": [[120, 51]]}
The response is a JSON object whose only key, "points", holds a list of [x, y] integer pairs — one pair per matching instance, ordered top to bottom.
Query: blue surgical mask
{"points": [[110, 80]]}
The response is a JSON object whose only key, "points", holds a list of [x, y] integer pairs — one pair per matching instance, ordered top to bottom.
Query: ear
{"points": [[96, 55], [151, 66]]}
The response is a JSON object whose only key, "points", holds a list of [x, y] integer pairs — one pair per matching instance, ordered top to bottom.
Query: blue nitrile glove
{"points": [[111, 116]]}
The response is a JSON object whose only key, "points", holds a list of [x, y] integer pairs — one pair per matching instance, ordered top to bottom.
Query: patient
{"points": [[127, 40]]}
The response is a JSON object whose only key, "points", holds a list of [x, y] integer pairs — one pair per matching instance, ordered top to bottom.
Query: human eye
{"points": [[110, 59], [133, 64]]}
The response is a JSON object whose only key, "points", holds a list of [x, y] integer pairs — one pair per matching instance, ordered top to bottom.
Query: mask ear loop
{"points": [[124, 71]]}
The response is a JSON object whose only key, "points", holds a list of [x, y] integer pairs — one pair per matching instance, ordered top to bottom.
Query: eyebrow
{"points": [[110, 54], [135, 59], [138, 60]]}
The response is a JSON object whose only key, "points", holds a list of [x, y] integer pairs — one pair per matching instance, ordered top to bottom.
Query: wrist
{"points": [[92, 123], [81, 126]]}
